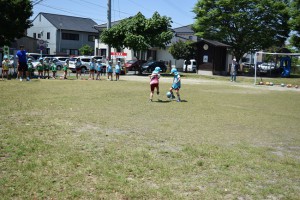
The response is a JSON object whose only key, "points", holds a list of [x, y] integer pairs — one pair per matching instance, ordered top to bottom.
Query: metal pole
{"points": [[108, 26], [255, 63]]}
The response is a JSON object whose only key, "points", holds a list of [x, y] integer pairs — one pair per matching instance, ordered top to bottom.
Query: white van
{"points": [[191, 66]]}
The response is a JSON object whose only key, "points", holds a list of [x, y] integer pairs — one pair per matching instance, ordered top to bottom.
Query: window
{"points": [[34, 35], [39, 35], [48, 35], [70, 36], [190, 37], [91, 38], [103, 52]]}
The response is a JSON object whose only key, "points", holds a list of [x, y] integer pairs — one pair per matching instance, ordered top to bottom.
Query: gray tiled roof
{"points": [[71, 23], [184, 29], [212, 42]]}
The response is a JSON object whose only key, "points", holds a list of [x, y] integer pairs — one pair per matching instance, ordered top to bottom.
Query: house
{"points": [[184, 33], [61, 34], [212, 57]]}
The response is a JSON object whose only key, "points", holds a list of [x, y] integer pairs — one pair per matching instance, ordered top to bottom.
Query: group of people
{"points": [[44, 66], [96, 66], [154, 83]]}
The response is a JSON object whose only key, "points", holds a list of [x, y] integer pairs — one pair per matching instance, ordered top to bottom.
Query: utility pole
{"points": [[108, 26]]}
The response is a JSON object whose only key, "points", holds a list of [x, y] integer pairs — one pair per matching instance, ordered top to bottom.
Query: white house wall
{"points": [[42, 26], [99, 45]]}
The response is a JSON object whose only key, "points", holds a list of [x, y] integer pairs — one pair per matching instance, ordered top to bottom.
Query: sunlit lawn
{"points": [[69, 139]]}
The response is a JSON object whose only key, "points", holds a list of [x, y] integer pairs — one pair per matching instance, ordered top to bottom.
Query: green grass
{"points": [[68, 139]]}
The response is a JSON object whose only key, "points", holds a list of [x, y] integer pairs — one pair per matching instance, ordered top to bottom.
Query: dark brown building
{"points": [[211, 56]]}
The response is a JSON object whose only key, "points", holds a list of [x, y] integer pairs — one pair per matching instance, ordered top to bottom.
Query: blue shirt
{"points": [[21, 54], [92, 66], [99, 66], [109, 69], [117, 69], [176, 81]]}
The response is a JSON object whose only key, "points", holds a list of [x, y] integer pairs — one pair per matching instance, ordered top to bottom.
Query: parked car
{"points": [[62, 59], [133, 65], [191, 65], [150, 66]]}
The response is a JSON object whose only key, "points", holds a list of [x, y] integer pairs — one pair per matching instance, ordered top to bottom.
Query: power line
{"points": [[36, 2], [73, 13]]}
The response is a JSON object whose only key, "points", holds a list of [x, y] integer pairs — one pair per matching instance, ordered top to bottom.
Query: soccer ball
{"points": [[282, 85], [169, 95]]}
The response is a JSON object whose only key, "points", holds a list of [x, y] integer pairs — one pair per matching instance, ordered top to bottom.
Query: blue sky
{"points": [[179, 10]]}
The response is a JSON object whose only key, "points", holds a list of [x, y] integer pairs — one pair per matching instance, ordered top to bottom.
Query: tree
{"points": [[14, 21], [295, 23], [244, 24], [139, 33], [86, 50], [182, 50]]}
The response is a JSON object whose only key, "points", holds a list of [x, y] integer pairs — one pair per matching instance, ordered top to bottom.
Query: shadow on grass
{"points": [[168, 101]]}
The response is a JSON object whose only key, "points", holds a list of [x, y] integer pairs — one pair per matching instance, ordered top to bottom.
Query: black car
{"points": [[150, 66]]}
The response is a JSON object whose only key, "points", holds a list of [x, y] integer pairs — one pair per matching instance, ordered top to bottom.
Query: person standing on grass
{"points": [[22, 63], [92, 65], [5, 67], [30, 67], [46, 67], [78, 67], [40, 68], [65, 68], [53, 69], [99, 69], [118, 70], [233, 70], [109, 71], [154, 82], [176, 84]]}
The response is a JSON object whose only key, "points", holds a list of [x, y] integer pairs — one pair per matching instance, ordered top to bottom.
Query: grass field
{"points": [[69, 139]]}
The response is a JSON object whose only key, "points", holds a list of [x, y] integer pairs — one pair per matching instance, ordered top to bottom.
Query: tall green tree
{"points": [[14, 21], [295, 23], [244, 24], [139, 33], [182, 50]]}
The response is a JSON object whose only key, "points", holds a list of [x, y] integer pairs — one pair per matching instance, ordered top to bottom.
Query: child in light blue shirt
{"points": [[92, 65], [99, 69], [109, 70], [118, 70], [176, 85]]}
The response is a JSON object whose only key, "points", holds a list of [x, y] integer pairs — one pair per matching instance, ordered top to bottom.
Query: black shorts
{"points": [[22, 66]]}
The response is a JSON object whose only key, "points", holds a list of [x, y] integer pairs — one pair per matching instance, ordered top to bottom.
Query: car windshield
{"points": [[98, 57], [62, 59], [72, 59], [85, 60], [131, 61], [149, 62]]}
